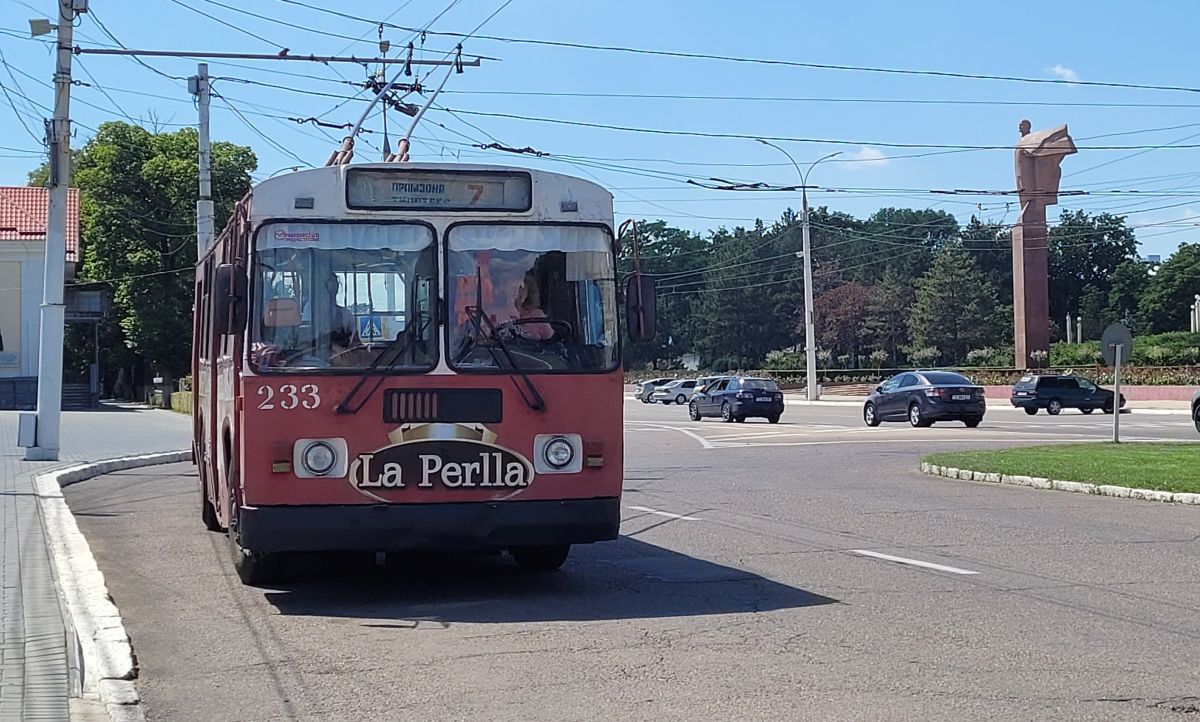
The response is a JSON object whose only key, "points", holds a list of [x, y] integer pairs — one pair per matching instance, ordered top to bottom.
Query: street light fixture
{"points": [[40, 26], [810, 332]]}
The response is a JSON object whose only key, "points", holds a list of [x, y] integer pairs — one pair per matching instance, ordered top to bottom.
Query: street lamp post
{"points": [[810, 332]]}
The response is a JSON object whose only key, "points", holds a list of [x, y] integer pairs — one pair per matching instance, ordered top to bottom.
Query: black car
{"points": [[1055, 392], [923, 397], [736, 398]]}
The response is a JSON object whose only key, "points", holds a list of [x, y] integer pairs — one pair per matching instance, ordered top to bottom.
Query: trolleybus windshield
{"points": [[546, 293], [335, 295]]}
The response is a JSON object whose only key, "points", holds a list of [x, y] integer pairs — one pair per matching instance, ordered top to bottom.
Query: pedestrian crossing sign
{"points": [[370, 327]]}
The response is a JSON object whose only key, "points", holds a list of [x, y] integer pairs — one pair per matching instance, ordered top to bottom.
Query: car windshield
{"points": [[546, 292], [338, 294], [946, 377], [759, 384]]}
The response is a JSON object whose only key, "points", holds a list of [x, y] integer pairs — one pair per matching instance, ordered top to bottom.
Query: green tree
{"points": [[138, 193], [990, 245], [1085, 249], [676, 258], [1129, 281], [1169, 296], [750, 300], [1093, 308], [955, 309], [886, 322]]}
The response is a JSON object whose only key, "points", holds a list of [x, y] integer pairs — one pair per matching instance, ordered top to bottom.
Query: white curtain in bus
{"points": [[335, 236], [537, 238]]}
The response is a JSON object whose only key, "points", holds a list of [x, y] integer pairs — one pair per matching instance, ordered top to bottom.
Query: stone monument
{"points": [[1038, 156]]}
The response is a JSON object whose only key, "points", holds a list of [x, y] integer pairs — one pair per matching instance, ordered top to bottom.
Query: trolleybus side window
{"points": [[340, 295], [541, 295]]}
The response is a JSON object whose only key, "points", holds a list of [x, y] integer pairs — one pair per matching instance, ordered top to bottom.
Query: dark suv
{"points": [[1055, 392], [735, 398]]}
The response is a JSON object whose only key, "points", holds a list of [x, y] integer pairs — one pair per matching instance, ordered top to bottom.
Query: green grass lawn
{"points": [[1163, 467]]}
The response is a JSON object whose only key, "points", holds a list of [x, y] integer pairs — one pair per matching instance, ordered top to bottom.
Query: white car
{"points": [[676, 392]]}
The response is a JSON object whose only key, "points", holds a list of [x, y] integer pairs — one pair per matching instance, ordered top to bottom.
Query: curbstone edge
{"points": [[1077, 487], [108, 666]]}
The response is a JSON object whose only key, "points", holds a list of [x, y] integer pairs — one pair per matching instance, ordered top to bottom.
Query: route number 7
{"points": [[477, 192]]}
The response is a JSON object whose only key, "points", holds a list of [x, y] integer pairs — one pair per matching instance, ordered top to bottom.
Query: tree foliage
{"points": [[138, 215], [1085, 250], [1167, 301], [955, 309]]}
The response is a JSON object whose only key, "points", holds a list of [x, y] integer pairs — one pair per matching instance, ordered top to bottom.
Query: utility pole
{"points": [[198, 85], [53, 312], [810, 327], [1079, 329], [1070, 335]]}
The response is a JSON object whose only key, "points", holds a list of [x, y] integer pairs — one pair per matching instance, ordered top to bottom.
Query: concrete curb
{"points": [[1078, 487], [102, 661]]}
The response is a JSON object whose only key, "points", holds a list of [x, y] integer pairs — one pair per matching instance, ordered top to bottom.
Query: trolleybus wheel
{"points": [[541, 558], [252, 567]]}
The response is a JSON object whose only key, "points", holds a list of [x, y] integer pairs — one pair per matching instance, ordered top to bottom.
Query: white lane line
{"points": [[667, 514], [911, 562]]}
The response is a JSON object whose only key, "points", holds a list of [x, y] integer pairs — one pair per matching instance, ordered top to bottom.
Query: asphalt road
{"points": [[747, 585]]}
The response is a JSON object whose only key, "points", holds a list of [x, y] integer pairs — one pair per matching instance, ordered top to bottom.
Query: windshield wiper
{"points": [[397, 348], [529, 394]]}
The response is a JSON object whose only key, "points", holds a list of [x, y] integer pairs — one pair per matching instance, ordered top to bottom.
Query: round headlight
{"points": [[558, 453], [319, 458]]}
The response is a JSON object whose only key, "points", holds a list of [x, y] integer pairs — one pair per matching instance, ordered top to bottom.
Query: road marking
{"points": [[703, 441], [669, 515], [911, 562]]}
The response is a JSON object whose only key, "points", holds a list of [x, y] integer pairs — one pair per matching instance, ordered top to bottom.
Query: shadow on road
{"points": [[625, 579]]}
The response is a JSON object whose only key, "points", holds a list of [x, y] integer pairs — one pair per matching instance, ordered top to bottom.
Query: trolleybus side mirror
{"points": [[229, 298], [641, 307]]}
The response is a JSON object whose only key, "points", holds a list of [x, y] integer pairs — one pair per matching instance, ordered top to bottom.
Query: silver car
{"points": [[645, 388], [676, 392]]}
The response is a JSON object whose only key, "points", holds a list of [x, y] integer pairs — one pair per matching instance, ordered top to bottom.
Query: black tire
{"points": [[681, 399], [645, 401], [1108, 406], [1054, 408], [1087, 409], [1031, 410], [694, 411], [726, 412], [1196, 416], [870, 417], [916, 417], [740, 419], [773, 419], [972, 423], [208, 510], [541, 558], [253, 568]]}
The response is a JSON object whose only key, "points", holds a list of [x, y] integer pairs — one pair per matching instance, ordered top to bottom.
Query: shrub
{"points": [[925, 356]]}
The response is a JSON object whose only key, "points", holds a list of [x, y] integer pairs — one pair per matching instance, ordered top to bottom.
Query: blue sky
{"points": [[1092, 41]]}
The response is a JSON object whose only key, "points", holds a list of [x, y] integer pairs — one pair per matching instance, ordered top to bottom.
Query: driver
{"points": [[528, 304], [342, 331]]}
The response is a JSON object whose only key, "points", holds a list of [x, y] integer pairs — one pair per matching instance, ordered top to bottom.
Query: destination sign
{"points": [[374, 189]]}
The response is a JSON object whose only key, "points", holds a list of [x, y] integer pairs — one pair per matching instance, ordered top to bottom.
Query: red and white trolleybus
{"points": [[406, 356]]}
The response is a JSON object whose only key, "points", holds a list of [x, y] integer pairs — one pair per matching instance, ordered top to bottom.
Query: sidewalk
{"points": [[34, 677]]}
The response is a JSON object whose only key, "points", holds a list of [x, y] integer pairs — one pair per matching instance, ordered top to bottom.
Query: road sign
{"points": [[370, 327], [1115, 334]]}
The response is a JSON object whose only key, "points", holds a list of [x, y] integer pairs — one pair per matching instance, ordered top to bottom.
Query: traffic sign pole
{"points": [[1117, 393]]}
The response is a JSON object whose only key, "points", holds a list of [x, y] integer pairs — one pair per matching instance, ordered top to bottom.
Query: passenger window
{"points": [[908, 380], [1070, 384]]}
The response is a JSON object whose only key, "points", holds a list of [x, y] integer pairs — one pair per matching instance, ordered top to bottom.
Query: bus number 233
{"points": [[289, 397]]}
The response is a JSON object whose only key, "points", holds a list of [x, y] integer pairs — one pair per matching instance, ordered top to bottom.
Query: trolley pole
{"points": [[205, 221], [53, 312]]}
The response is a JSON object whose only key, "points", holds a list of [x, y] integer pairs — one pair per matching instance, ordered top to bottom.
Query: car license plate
{"points": [[1022, 393], [962, 397], [763, 399]]}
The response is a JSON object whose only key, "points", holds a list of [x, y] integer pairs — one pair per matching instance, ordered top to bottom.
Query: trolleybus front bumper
{"points": [[398, 527]]}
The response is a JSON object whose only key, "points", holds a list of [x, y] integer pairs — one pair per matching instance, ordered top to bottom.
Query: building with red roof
{"points": [[23, 216]]}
